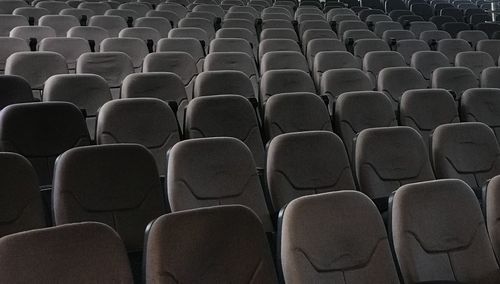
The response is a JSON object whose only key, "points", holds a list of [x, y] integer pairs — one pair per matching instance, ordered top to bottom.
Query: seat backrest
{"points": [[54, 7], [99, 8], [140, 8], [82, 14], [8, 22], [60, 23], [201, 23], [112, 24], [162, 25], [350, 25], [381, 27], [418, 27], [29, 32], [143, 33], [95, 34], [434, 35], [472, 37], [189, 45], [232, 45], [277, 45], [318, 45], [8, 46], [363, 46], [491, 46], [407, 47], [451, 47], [70, 48], [135, 48], [279, 60], [327, 60], [240, 61], [375, 61], [476, 61], [426, 62], [112, 66], [36, 67], [457, 79], [284, 81], [337, 81], [394, 81], [224, 82], [14, 90], [480, 105], [426, 109], [355, 111], [295, 112], [227, 116], [146, 121], [41, 132], [468, 151], [388, 157], [306, 163], [225, 174], [127, 197], [490, 205], [22, 207], [318, 231], [439, 234], [227, 244], [91, 250]]}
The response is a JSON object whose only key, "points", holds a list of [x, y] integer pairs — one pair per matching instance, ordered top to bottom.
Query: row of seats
{"points": [[437, 233]]}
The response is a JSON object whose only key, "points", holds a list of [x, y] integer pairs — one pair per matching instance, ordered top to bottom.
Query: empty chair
{"points": [[8, 6], [54, 7], [99, 8], [140, 8], [211, 8], [179, 10], [364, 13], [33, 14], [395, 14], [83, 15], [128, 15], [170, 16], [371, 20], [440, 20], [8, 22], [60, 23], [201, 23], [112, 24], [160, 24], [241, 24], [276, 24], [312, 24], [350, 25], [381, 27], [418, 27], [454, 28], [488, 28], [195, 33], [279, 33], [316, 33], [32, 35], [94, 35], [149, 35], [229, 35], [351, 36], [393, 36], [434, 36], [472, 37], [190, 45], [277, 45], [318, 45], [9, 46], [363, 46], [490, 46], [407, 47], [69, 48], [135, 48], [450, 48], [279, 60], [327, 60], [238, 61], [375, 61], [428, 61], [476, 61], [180, 63], [112, 66], [35, 67], [489, 77], [456, 79], [284, 81], [337, 81], [394, 81], [224, 82], [14, 90], [86, 91], [480, 105], [425, 109], [355, 111], [295, 112], [228, 116], [146, 121], [42, 131], [468, 151], [387, 158], [306, 163], [126, 198], [490, 198], [23, 209], [311, 224], [222, 236], [437, 244], [92, 252]]}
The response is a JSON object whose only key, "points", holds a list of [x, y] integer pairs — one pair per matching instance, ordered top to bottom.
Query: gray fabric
{"points": [[54, 7], [99, 8], [140, 8], [214, 9], [180, 10], [34, 12], [78, 12], [124, 13], [170, 16], [8, 22], [60, 23], [201, 23], [112, 24], [160, 24], [312, 24], [350, 25], [421, 26], [380, 27], [27, 32], [143, 33], [196, 33], [278, 33], [96, 34], [311, 34], [358, 34], [397, 35], [436, 35], [472, 37], [189, 45], [231, 45], [277, 45], [318, 45], [9, 46], [363, 46], [491, 46], [407, 47], [451, 47], [69, 48], [135, 48], [279, 60], [327, 60], [375, 61], [428, 61], [476, 61], [112, 66], [35, 67], [489, 77], [457, 79], [284, 81], [338, 81], [394, 81], [228, 82], [13, 90], [482, 105], [425, 109], [355, 111], [295, 112], [146, 121], [41, 132], [468, 151], [388, 157], [305, 163], [214, 171], [102, 184], [20, 197], [491, 201], [440, 235], [219, 237], [336, 237], [79, 253]]}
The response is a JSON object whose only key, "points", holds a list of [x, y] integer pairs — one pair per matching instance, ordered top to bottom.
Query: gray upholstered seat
{"points": [[456, 79], [284, 81], [394, 81], [481, 105], [225, 244]]}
